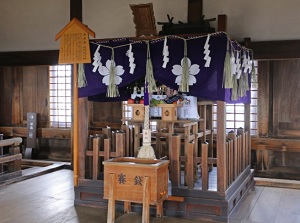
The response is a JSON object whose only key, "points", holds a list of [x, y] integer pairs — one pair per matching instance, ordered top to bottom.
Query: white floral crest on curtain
{"points": [[193, 70], [118, 72]]}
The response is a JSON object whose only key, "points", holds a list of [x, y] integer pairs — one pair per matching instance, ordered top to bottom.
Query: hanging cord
{"points": [[149, 72], [81, 76], [184, 85], [112, 90]]}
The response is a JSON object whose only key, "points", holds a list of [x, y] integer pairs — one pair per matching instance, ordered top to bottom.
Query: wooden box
{"points": [[169, 111], [138, 112], [129, 175]]}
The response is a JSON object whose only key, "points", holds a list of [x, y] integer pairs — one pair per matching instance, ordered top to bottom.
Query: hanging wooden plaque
{"points": [[144, 20], [74, 44]]}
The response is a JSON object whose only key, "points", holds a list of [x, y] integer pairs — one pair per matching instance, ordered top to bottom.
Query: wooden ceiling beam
{"points": [[275, 50]]}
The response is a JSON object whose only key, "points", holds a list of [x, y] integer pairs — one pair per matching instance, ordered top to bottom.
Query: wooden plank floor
{"points": [[49, 198]]}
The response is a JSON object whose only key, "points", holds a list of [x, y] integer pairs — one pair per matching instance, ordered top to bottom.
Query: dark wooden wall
{"points": [[25, 89], [279, 105], [286, 106], [277, 146]]}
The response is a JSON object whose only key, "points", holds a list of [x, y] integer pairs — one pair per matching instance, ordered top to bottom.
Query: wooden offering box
{"points": [[169, 111], [138, 112], [130, 176]]}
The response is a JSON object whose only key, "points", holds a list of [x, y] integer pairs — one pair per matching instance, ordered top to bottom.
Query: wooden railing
{"points": [[104, 145], [238, 154], [237, 159], [11, 162], [189, 162]]}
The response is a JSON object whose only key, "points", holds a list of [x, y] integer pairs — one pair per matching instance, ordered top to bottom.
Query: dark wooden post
{"points": [[76, 9], [195, 10], [222, 23], [221, 147], [1, 153]]}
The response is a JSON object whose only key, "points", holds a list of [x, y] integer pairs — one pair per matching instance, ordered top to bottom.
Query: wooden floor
{"points": [[49, 198]]}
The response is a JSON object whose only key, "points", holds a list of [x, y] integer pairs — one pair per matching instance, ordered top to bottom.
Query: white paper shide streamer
{"points": [[207, 52], [165, 54], [131, 59], [97, 60], [245, 62], [233, 63], [249, 63], [238, 66]]}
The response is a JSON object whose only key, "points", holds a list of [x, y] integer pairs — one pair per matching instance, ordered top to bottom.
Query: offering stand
{"points": [[131, 179]]}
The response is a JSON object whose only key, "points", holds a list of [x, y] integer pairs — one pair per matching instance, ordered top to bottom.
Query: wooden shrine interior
{"points": [[194, 190]]}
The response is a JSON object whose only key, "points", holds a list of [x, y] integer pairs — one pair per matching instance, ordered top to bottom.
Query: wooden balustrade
{"points": [[103, 147], [237, 154], [10, 162]]}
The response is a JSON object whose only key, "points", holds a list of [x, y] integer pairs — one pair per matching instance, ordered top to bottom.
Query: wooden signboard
{"points": [[74, 44], [31, 130]]}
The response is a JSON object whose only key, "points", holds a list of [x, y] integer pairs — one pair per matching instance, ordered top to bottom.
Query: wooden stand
{"points": [[130, 179]]}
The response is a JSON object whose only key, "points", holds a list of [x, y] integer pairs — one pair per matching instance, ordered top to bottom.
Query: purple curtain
{"points": [[208, 81]]}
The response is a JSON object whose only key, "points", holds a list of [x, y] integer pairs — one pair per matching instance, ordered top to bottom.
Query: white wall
{"points": [[113, 18], [258, 19], [32, 24], [28, 25]]}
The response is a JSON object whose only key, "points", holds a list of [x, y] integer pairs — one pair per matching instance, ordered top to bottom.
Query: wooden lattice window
{"points": [[60, 93]]}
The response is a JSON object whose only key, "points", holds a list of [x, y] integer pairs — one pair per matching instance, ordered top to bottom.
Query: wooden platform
{"points": [[34, 168], [49, 198], [184, 203]]}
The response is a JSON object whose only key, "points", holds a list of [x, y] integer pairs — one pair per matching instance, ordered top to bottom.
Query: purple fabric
{"points": [[209, 79]]}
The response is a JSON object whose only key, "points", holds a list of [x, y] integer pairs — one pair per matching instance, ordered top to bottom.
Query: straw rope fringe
{"points": [[149, 72], [81, 76], [184, 85], [112, 89]]}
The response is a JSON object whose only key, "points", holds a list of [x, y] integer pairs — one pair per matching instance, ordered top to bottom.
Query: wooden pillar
{"points": [[76, 9], [195, 10], [222, 23], [75, 125], [221, 127], [247, 129], [82, 135], [221, 146], [1, 153], [175, 161], [204, 166]]}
